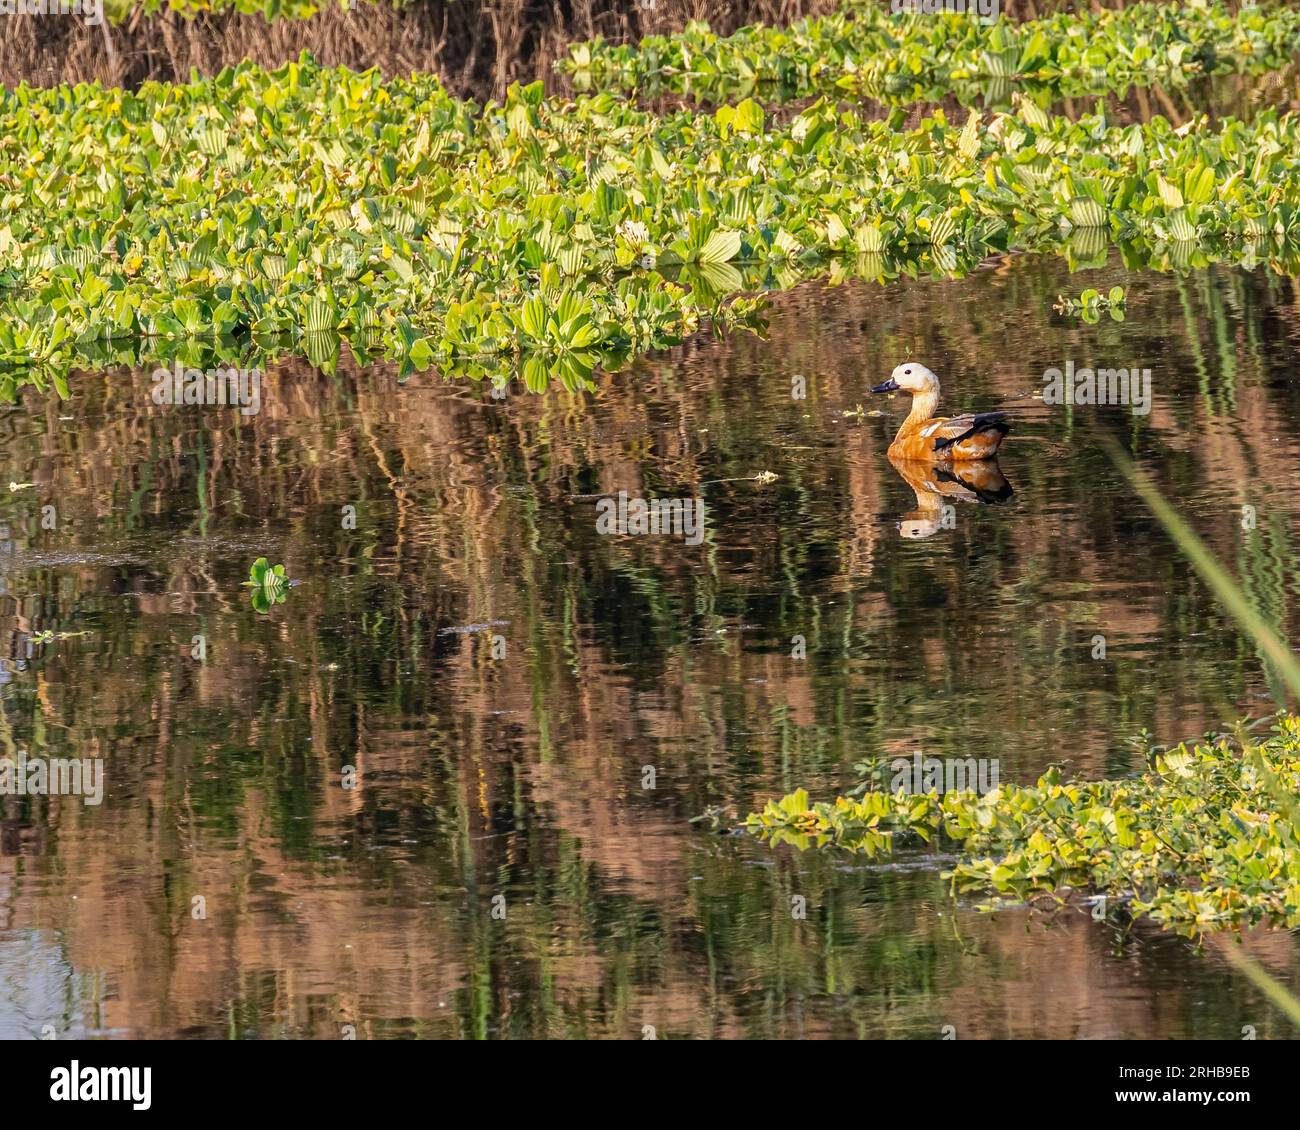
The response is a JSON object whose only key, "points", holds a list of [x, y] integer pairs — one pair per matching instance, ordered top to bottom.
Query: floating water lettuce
{"points": [[865, 49], [308, 207], [1089, 304], [270, 585], [1198, 841]]}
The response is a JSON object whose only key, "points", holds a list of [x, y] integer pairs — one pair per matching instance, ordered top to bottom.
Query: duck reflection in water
{"points": [[935, 483]]}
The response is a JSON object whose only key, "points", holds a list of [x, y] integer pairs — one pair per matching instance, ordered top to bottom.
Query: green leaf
{"points": [[720, 247]]}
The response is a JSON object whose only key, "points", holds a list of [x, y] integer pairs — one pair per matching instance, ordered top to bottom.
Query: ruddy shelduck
{"points": [[944, 439]]}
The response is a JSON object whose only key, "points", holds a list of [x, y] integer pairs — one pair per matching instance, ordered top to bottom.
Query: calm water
{"points": [[501, 675]]}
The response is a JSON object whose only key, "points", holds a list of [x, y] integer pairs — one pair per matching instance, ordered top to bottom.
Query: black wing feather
{"points": [[983, 422]]}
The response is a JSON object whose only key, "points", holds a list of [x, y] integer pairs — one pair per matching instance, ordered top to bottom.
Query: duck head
{"points": [[910, 376], [922, 525]]}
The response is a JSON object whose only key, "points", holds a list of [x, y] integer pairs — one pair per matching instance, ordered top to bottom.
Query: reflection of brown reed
{"points": [[432, 462], [525, 774], [311, 949]]}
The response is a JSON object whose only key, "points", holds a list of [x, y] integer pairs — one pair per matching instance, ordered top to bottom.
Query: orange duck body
{"points": [[943, 439]]}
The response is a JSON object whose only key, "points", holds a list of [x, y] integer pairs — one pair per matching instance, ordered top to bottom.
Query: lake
{"points": [[552, 732]]}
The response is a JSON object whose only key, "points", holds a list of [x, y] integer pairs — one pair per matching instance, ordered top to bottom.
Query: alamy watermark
{"points": [[92, 11], [986, 11], [234, 387], [1130, 387], [680, 517], [921, 774], [55, 776], [75, 1083]]}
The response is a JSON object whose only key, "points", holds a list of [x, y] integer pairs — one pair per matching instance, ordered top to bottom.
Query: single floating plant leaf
{"points": [[270, 585]]}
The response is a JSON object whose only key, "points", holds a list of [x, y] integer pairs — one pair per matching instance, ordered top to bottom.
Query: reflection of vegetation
{"points": [[867, 50], [257, 206], [1248, 613], [1261, 618], [477, 775], [1205, 838], [1195, 842]]}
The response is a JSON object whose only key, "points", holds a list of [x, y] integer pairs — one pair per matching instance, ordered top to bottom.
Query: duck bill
{"points": [[890, 385]]}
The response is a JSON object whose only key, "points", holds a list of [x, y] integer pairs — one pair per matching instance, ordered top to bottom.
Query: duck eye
{"points": [[907, 372]]}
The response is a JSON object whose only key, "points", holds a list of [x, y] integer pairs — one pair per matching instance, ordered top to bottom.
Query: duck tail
{"points": [[984, 422]]}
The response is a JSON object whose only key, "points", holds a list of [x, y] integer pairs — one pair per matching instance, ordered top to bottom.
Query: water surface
{"points": [[502, 676]]}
